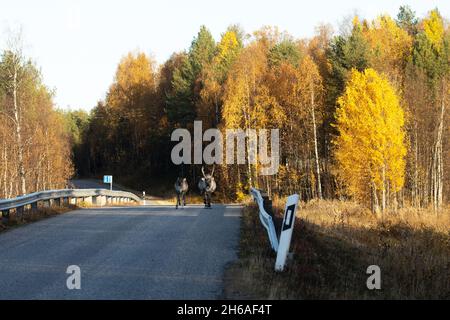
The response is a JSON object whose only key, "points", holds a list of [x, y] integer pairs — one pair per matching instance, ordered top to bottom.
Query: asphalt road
{"points": [[91, 184], [145, 252]]}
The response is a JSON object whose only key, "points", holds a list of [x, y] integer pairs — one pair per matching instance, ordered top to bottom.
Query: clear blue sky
{"points": [[78, 44]]}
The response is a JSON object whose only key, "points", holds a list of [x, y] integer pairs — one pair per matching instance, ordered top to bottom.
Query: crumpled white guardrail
{"points": [[33, 198], [266, 219], [281, 247]]}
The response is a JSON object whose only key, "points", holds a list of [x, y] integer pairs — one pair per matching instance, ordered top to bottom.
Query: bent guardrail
{"points": [[67, 196], [266, 219], [281, 247]]}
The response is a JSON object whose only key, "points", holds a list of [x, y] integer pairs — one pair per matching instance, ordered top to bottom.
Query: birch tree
{"points": [[13, 79], [370, 147]]}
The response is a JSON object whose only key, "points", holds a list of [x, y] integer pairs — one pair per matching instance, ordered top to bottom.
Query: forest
{"points": [[362, 113], [35, 148]]}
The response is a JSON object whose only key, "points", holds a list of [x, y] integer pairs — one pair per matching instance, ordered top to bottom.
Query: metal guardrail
{"points": [[94, 196], [266, 219], [281, 246]]}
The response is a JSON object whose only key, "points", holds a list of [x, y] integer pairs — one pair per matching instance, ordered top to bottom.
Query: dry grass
{"points": [[191, 198], [171, 200], [86, 205], [28, 216], [334, 243]]}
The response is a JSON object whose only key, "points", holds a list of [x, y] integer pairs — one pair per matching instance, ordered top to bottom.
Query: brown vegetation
{"points": [[29, 216], [333, 244]]}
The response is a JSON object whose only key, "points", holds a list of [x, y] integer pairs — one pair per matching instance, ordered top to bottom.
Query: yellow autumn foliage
{"points": [[433, 27], [390, 45], [227, 47], [134, 77], [248, 101], [370, 147]]}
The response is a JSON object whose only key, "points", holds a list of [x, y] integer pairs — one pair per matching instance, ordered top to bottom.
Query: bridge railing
{"points": [[67, 196], [266, 219]]}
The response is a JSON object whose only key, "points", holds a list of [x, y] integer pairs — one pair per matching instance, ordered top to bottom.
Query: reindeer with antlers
{"points": [[207, 186], [181, 188]]}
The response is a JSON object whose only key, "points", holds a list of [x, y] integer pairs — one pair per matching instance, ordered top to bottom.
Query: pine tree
{"points": [[182, 103]]}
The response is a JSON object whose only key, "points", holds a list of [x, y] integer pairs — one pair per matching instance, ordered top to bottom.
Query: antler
{"points": [[203, 171], [212, 173]]}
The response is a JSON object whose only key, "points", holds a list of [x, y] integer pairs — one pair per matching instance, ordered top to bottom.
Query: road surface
{"points": [[92, 184], [97, 184], [143, 252]]}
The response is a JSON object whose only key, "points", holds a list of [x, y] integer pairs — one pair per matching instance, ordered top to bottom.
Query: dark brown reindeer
{"points": [[207, 186], [181, 188]]}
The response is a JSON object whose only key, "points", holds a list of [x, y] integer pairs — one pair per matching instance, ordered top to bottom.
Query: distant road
{"points": [[91, 184], [98, 184], [144, 252]]}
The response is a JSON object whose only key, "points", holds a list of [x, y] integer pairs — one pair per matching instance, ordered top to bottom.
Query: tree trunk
{"points": [[19, 142], [316, 151], [440, 151], [437, 159], [5, 172], [383, 191], [415, 200], [375, 205]]}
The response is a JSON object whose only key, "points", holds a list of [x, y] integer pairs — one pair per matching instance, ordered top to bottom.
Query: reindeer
{"points": [[207, 186], [181, 188]]}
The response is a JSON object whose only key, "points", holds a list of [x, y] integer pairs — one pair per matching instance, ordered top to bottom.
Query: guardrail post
{"points": [[87, 200], [99, 200], [65, 201], [58, 202], [46, 203], [34, 207], [19, 212], [5, 216], [286, 231], [281, 246]]}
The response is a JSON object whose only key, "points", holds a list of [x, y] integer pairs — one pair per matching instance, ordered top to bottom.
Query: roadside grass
{"points": [[191, 198], [87, 205], [28, 216], [333, 244]]}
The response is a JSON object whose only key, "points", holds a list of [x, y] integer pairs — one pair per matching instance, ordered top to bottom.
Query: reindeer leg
{"points": [[208, 200]]}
